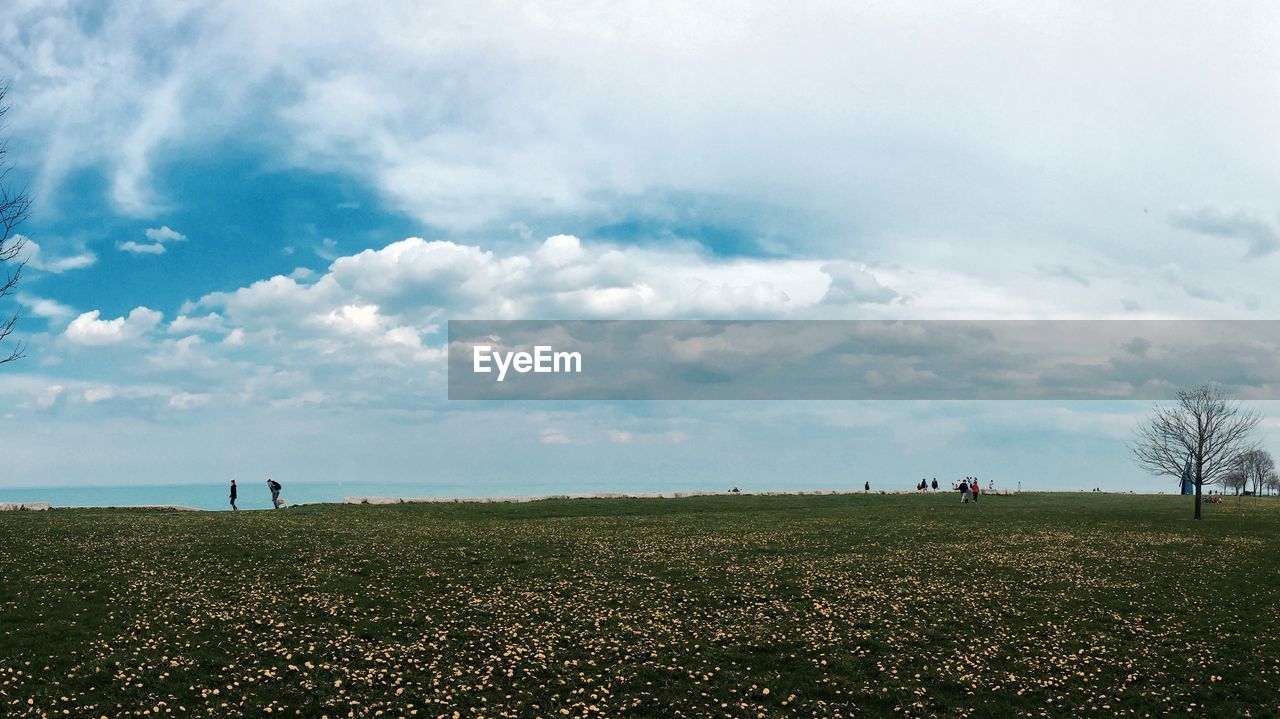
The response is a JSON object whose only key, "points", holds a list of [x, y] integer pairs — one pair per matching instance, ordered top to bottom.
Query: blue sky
{"points": [[252, 222]]}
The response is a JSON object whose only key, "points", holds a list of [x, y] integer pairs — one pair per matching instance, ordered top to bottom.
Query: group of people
{"points": [[273, 485], [969, 487]]}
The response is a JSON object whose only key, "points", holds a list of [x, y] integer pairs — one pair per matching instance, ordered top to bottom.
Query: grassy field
{"points": [[1036, 605]]}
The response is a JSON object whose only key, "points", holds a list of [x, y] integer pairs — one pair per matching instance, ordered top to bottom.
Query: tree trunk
{"points": [[1199, 474]]}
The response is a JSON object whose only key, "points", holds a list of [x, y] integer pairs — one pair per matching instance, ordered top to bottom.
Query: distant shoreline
{"points": [[642, 495], [213, 496], [509, 499], [383, 500]]}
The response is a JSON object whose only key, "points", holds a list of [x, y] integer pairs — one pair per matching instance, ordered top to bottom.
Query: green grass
{"points": [[1037, 605]]}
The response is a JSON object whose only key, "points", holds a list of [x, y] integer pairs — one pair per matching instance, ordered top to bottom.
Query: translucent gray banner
{"points": [[859, 359]]}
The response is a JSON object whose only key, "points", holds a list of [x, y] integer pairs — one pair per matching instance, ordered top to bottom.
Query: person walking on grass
{"points": [[935, 484], [973, 489], [964, 491], [275, 492], [234, 508]]}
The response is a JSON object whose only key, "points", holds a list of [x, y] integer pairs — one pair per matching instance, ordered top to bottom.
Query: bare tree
{"points": [[14, 206], [1203, 426], [1255, 466], [1235, 481], [1272, 482]]}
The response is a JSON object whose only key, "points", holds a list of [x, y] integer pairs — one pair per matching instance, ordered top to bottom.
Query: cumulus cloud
{"points": [[897, 140], [894, 166], [942, 166], [163, 234], [158, 236], [137, 248], [560, 250], [38, 259], [437, 272], [414, 281], [854, 285], [44, 307], [353, 319], [183, 325], [88, 329], [368, 330], [190, 354]]}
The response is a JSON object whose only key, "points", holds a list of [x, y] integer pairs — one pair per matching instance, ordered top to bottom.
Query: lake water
{"points": [[255, 495]]}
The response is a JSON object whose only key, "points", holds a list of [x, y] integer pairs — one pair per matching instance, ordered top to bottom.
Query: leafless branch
{"points": [[14, 209], [1203, 429]]}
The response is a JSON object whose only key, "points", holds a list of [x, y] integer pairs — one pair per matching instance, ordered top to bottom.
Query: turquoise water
{"points": [[255, 495], [202, 496]]}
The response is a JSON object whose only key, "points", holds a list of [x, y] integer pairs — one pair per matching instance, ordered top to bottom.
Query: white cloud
{"points": [[914, 123], [911, 162], [932, 168], [162, 235], [158, 236], [140, 249], [560, 250], [55, 265], [445, 271], [564, 277], [854, 285], [266, 302], [379, 304], [45, 308], [377, 314], [353, 319], [211, 322], [88, 329], [368, 332], [186, 354], [101, 393], [48, 396], [188, 400]]}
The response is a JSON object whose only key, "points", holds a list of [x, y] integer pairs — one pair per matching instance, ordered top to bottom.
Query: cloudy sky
{"points": [[252, 221]]}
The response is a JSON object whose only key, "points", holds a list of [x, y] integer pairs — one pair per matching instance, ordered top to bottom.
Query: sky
{"points": [[253, 220]]}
